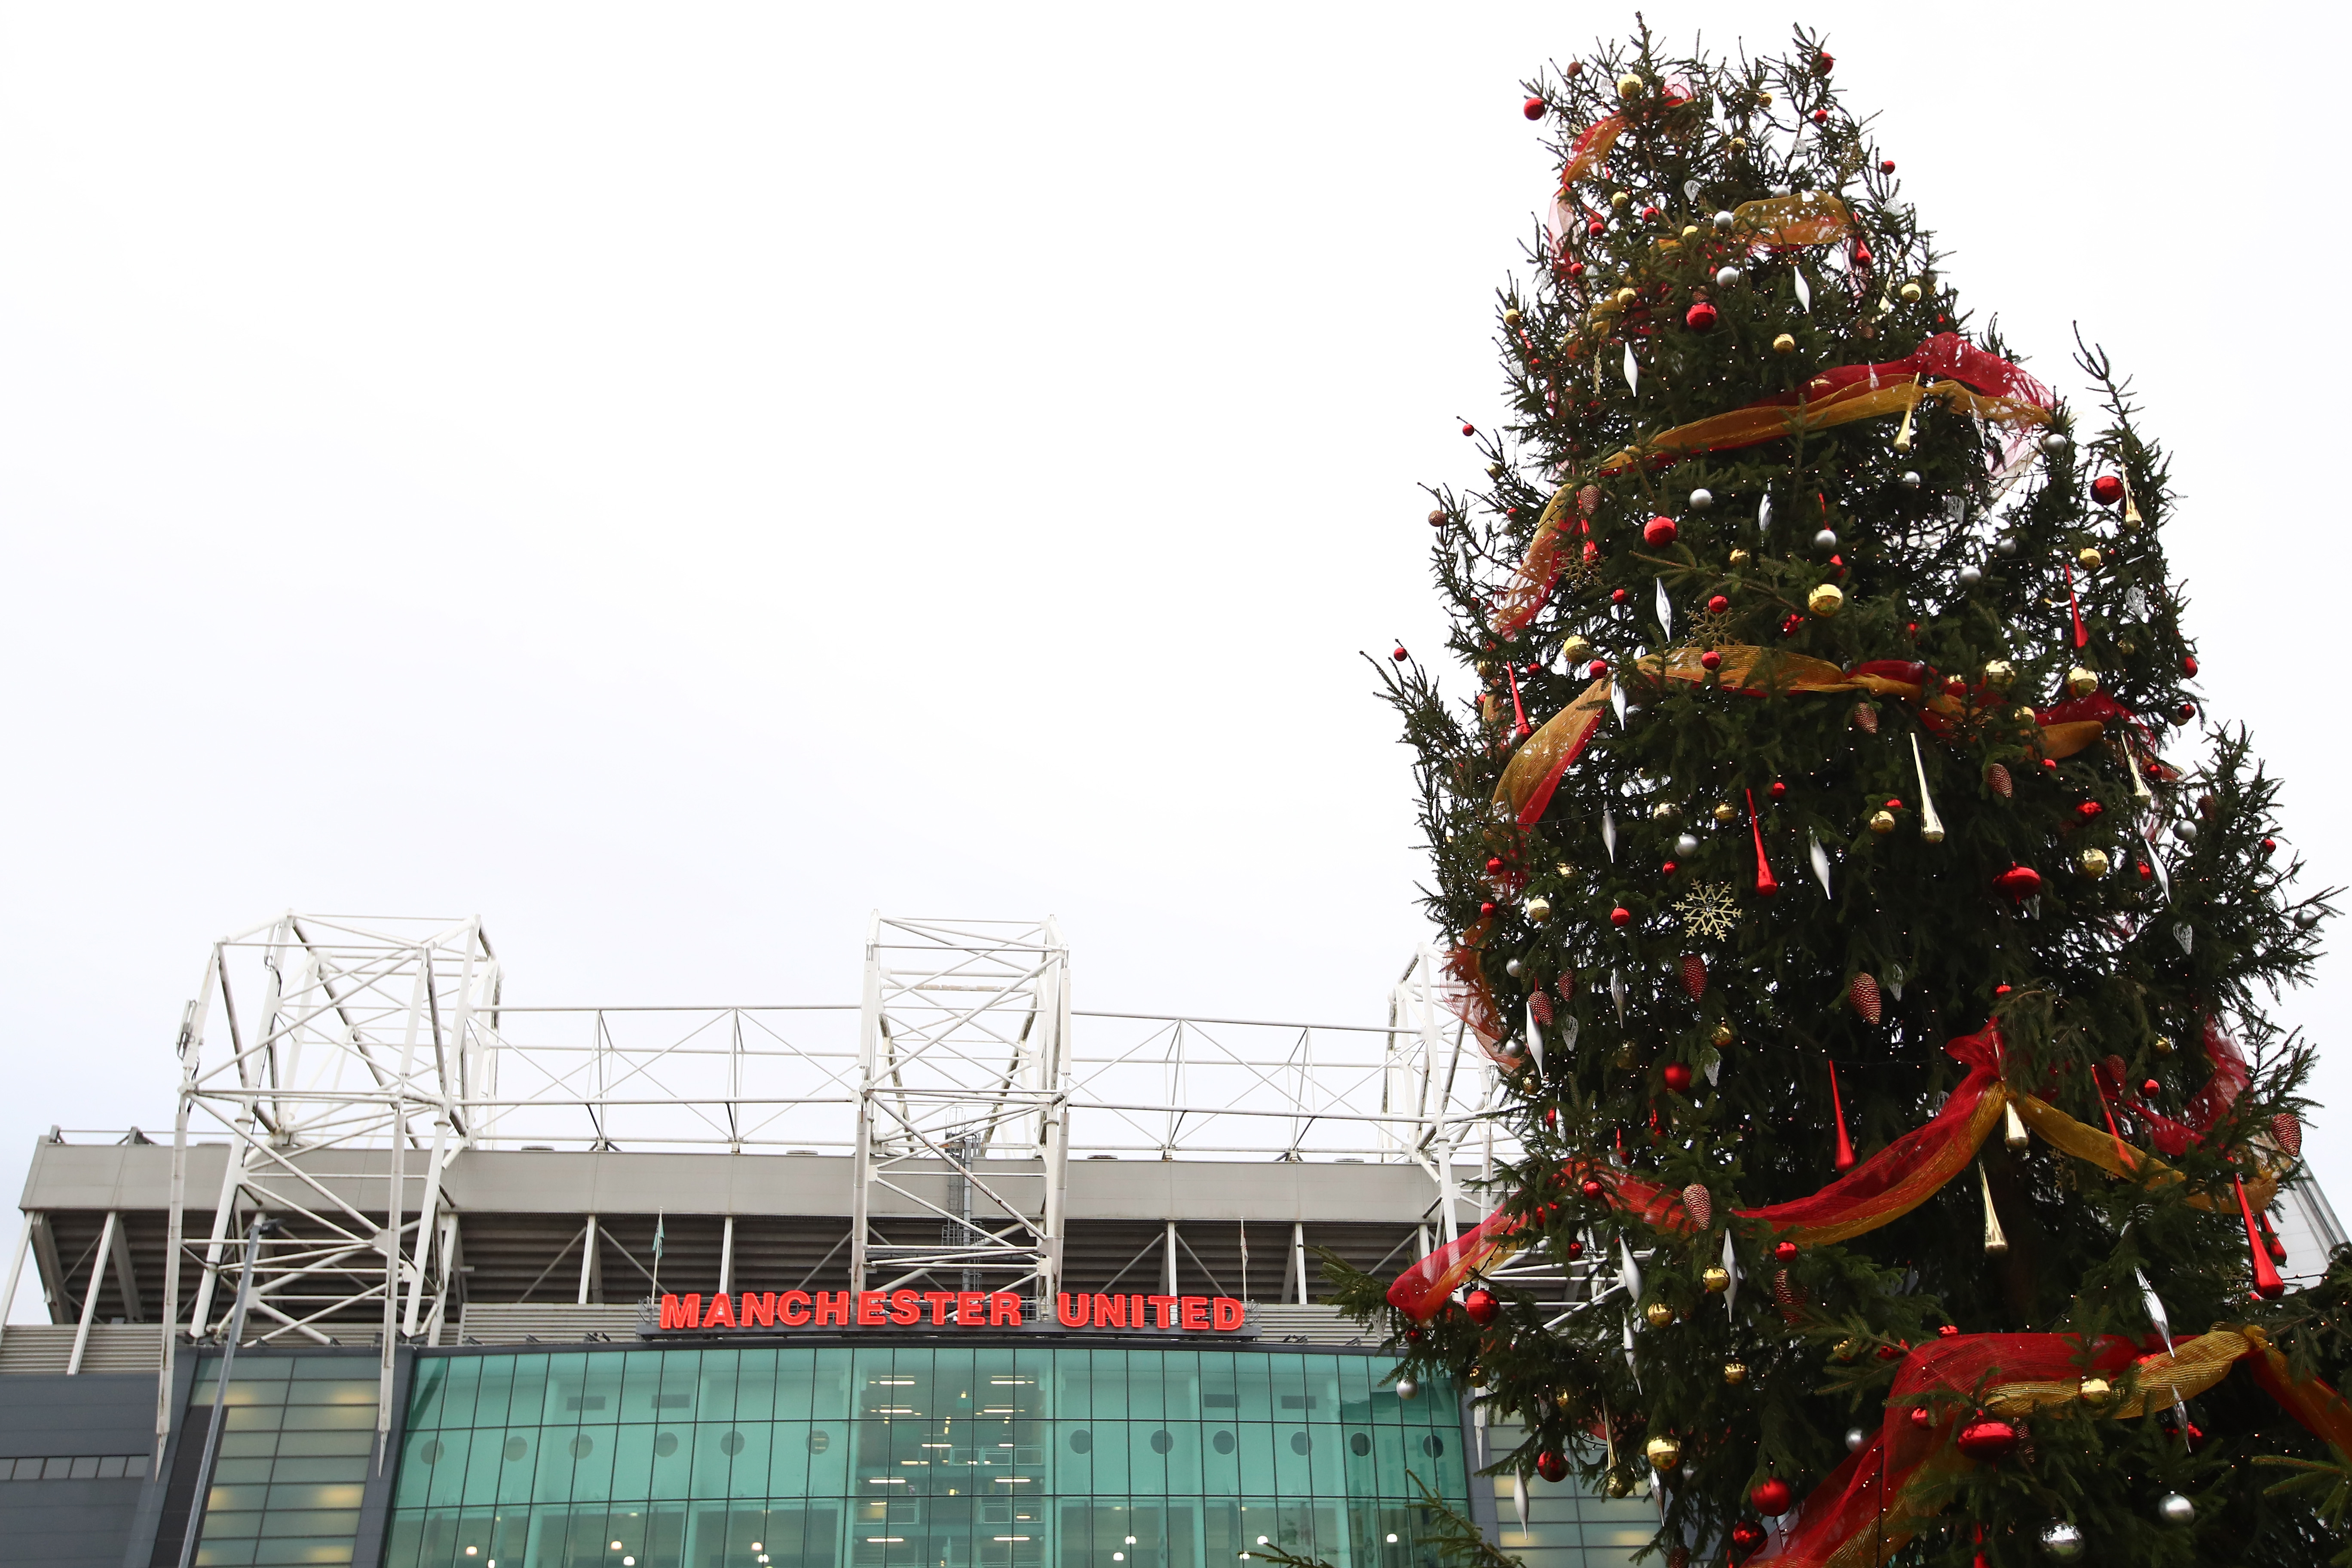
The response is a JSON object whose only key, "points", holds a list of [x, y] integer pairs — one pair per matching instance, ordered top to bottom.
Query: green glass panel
{"points": [[641, 1381], [425, 1387], [1253, 1387], [1107, 1390], [594, 1450], [633, 1464], [448, 1488]]}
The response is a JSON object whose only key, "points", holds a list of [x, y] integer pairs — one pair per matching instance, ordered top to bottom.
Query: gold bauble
{"points": [[1629, 86], [1763, 99], [1739, 143], [1621, 200], [1689, 229], [1911, 292], [1624, 297], [1511, 317], [1784, 345], [1739, 558], [2088, 559], [1826, 600], [2126, 647], [1576, 649], [1485, 669], [1999, 672], [2082, 682], [2024, 715], [1664, 811], [1727, 812], [1881, 822], [2094, 862], [1539, 909], [1723, 1035], [2164, 1045], [1716, 1280], [1659, 1314], [1843, 1350], [1735, 1372], [1476, 1376], [2094, 1391], [1665, 1454], [1618, 1485]]}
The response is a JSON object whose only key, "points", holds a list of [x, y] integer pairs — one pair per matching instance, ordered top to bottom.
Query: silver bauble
{"points": [[1723, 222], [1728, 276], [2055, 445], [1911, 479], [1700, 499], [1826, 540], [2005, 545], [1970, 576], [2184, 831], [1687, 846], [2306, 919], [1512, 969], [1406, 1388], [1855, 1439], [2175, 1509], [2063, 1541]]}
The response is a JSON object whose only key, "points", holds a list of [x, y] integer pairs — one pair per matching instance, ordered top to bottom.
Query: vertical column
{"points": [[588, 1244], [727, 1257], [1298, 1258], [1168, 1264], [16, 1268], [90, 1297]]}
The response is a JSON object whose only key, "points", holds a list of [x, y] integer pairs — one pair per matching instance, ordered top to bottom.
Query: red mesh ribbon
{"points": [[1591, 148], [2207, 1106], [1866, 1509]]}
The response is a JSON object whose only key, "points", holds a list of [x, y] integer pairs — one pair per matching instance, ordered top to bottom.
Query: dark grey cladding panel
{"points": [[501, 1181], [96, 1412], [68, 1524]]}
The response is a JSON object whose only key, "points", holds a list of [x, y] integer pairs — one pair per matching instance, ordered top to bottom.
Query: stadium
{"points": [[957, 1275]]}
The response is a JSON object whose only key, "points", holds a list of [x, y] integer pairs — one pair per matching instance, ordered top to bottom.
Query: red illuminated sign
{"points": [[944, 1308]]}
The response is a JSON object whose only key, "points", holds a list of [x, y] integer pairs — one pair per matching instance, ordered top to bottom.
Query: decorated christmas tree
{"points": [[1871, 930]]}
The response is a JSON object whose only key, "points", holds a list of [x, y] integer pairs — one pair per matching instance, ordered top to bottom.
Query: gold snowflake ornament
{"points": [[1708, 629], [1708, 911]]}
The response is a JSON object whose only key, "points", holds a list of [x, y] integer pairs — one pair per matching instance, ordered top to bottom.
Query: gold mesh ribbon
{"points": [[1769, 421]]}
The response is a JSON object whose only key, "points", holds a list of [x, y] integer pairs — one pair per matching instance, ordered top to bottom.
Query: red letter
{"points": [[940, 1301], [1166, 1306], [758, 1307], [832, 1307], [869, 1307], [905, 1307], [1003, 1307], [792, 1309], [971, 1309], [1110, 1311], [1195, 1311], [682, 1312], [1229, 1312], [721, 1314], [1138, 1315], [1069, 1319]]}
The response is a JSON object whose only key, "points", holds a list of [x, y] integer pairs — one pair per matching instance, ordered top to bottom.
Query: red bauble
{"points": [[1826, 62], [1533, 108], [1821, 117], [1886, 165], [1649, 215], [1596, 228], [1576, 269], [1699, 317], [1469, 429], [2106, 490], [1658, 531], [1618, 595], [1718, 604], [1791, 624], [1399, 653], [1710, 659], [2188, 664], [1597, 668], [2187, 712], [1779, 790], [2089, 809], [2270, 846], [1494, 864], [1667, 869], [2146, 872], [2019, 882], [1486, 910], [1620, 916], [1694, 975], [1861, 994], [1677, 1077], [2149, 1088], [1592, 1188], [1785, 1251], [1482, 1306], [1948, 1331], [1413, 1336], [1919, 1416], [1987, 1439], [1551, 1466], [1772, 1497], [1747, 1536]]}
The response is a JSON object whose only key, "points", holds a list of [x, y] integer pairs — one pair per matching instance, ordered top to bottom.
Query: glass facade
{"points": [[915, 1456], [293, 1459]]}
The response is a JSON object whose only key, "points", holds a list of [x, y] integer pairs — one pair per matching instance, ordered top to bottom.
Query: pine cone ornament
{"points": [[1588, 500], [1865, 718], [1997, 778], [1694, 975], [1567, 987], [1861, 994], [1539, 1006], [2288, 1131], [1699, 1203], [1791, 1299]]}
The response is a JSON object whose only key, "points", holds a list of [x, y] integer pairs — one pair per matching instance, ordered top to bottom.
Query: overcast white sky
{"points": [[673, 478]]}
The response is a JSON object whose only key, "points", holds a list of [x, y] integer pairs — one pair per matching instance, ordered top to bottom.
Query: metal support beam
{"points": [[100, 1256], [727, 1257], [1298, 1260], [1167, 1262], [16, 1267], [591, 1271]]}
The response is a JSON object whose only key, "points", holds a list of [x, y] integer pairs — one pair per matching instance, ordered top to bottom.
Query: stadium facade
{"points": [[956, 1275]]}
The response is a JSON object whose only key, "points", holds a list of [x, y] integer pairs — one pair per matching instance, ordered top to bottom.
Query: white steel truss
{"points": [[963, 1047], [348, 1053]]}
